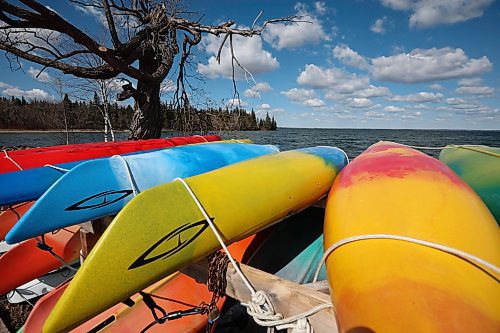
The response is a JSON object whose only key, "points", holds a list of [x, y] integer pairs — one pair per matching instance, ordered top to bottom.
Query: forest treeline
{"points": [[17, 113]]}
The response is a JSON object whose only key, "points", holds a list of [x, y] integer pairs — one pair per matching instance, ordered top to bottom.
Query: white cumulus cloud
{"points": [[320, 7], [429, 13], [378, 26], [294, 35], [248, 51], [349, 57], [424, 65], [42, 77], [332, 78], [473, 82], [436, 86], [474, 86], [475, 90], [373, 91], [254, 92], [33, 94], [299, 95], [421, 97], [315, 102], [236, 103], [361, 103], [392, 108]]}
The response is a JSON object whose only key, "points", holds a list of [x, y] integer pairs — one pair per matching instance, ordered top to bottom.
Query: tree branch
{"points": [[111, 24], [101, 72]]}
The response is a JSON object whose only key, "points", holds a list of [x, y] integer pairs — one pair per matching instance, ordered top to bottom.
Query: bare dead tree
{"points": [[142, 41]]}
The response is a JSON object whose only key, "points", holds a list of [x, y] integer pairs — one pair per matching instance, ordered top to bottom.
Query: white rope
{"points": [[201, 136], [11, 159], [63, 170], [131, 179], [216, 232], [444, 248], [260, 306], [297, 322]]}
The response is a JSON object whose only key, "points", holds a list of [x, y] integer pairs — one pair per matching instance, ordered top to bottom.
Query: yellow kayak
{"points": [[162, 230], [390, 285]]}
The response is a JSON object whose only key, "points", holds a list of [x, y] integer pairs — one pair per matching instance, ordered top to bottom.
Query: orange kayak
{"points": [[10, 217], [25, 262], [173, 293]]}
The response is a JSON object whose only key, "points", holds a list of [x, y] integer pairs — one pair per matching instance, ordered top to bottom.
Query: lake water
{"points": [[353, 141]]}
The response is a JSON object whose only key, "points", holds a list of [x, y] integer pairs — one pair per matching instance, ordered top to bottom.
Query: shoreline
{"points": [[15, 131], [62, 131]]}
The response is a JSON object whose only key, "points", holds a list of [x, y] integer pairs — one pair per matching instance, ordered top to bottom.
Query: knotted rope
{"points": [[260, 306]]}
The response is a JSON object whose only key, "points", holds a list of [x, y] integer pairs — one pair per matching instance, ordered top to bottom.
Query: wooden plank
{"points": [[89, 239], [321, 286], [288, 298], [3, 328]]}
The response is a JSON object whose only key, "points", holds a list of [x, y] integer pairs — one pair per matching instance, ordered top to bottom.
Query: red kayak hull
{"points": [[37, 157], [10, 217], [25, 261]]}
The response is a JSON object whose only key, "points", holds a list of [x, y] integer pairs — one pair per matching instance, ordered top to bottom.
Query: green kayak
{"points": [[478, 166]]}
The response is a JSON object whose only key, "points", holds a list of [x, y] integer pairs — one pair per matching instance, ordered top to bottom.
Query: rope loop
{"points": [[201, 136], [12, 160], [55, 167], [131, 179], [481, 263]]}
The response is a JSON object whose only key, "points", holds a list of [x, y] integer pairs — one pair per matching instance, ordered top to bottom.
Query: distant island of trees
{"points": [[17, 113]]}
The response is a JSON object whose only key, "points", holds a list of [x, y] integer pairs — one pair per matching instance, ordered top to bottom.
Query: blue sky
{"points": [[360, 64]]}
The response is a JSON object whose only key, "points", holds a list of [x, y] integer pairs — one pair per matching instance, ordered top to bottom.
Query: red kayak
{"points": [[37, 157], [10, 217], [25, 262]]}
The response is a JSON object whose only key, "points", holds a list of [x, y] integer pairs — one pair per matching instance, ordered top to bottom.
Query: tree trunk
{"points": [[147, 121]]}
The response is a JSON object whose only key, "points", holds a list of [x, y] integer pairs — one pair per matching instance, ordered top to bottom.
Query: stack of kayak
{"points": [[26, 174], [409, 244]]}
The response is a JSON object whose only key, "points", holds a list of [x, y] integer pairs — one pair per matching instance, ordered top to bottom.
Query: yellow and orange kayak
{"points": [[390, 285], [175, 292]]}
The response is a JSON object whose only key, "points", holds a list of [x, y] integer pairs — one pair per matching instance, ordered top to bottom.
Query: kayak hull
{"points": [[38, 157], [479, 167], [11, 216], [26, 262], [386, 285]]}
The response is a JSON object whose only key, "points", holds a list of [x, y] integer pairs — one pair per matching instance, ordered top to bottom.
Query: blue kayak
{"points": [[30, 184], [102, 187]]}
